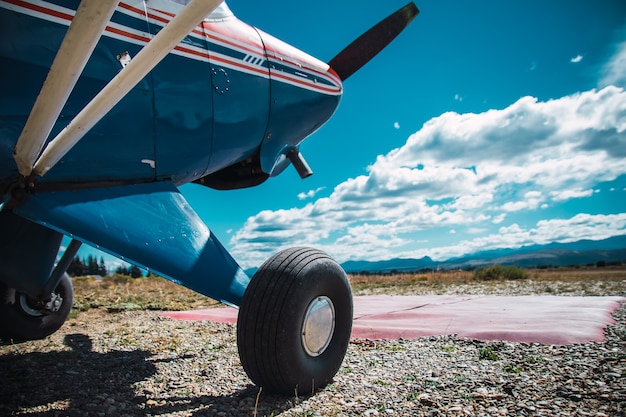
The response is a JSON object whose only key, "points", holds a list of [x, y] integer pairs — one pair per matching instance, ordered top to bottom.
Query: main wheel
{"points": [[22, 318], [295, 321]]}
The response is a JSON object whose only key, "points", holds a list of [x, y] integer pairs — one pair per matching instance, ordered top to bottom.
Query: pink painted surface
{"points": [[541, 319]]}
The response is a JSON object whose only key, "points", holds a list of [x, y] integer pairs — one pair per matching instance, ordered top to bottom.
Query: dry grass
{"points": [[613, 273], [430, 279], [558, 280], [118, 293]]}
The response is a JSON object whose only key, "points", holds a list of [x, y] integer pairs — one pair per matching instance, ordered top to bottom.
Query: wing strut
{"points": [[80, 40], [149, 56]]}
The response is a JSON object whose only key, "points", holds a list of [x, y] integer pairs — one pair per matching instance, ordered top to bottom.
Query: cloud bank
{"points": [[464, 171]]}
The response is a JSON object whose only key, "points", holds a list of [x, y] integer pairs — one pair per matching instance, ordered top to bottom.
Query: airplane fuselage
{"points": [[227, 94]]}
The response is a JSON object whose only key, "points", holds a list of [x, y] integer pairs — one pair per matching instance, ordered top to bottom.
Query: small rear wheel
{"points": [[22, 318], [294, 322]]}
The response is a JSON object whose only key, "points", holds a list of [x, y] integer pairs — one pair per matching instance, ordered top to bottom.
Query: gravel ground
{"points": [[137, 363]]}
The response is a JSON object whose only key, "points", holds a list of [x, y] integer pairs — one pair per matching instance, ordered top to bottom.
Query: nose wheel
{"points": [[295, 321]]}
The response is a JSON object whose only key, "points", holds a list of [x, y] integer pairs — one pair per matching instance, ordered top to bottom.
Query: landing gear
{"points": [[23, 318], [295, 321]]}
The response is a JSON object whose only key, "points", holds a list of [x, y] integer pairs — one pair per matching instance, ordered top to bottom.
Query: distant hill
{"points": [[582, 252], [542, 258], [390, 265]]}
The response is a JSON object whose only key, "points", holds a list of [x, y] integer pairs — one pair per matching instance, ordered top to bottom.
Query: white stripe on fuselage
{"points": [[253, 62]]}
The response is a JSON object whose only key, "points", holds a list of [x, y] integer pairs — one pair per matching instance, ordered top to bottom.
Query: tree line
{"points": [[93, 266]]}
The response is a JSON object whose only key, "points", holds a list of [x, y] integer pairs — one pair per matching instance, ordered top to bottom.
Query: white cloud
{"points": [[576, 59], [614, 71], [396, 125], [462, 171], [310, 193], [572, 193], [531, 201], [514, 206], [499, 218]]}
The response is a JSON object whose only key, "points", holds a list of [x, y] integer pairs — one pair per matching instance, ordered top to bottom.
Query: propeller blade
{"points": [[369, 44]]}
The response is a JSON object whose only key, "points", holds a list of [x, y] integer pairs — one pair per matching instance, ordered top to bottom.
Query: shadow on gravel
{"points": [[80, 381], [240, 403]]}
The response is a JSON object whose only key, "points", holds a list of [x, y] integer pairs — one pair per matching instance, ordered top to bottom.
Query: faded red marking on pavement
{"points": [[528, 319]]}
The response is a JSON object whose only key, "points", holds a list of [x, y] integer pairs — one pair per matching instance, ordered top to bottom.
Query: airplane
{"points": [[108, 106]]}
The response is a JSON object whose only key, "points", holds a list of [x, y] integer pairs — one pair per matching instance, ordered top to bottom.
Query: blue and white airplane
{"points": [[107, 106]]}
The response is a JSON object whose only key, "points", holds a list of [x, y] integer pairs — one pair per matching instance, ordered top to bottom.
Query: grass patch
{"points": [[499, 272], [563, 280], [401, 283], [118, 293], [488, 354], [512, 369]]}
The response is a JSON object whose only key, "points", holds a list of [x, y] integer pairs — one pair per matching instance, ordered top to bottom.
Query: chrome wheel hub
{"points": [[51, 306], [318, 326]]}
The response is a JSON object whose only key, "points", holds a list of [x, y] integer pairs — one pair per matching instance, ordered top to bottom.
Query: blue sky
{"points": [[485, 125]]}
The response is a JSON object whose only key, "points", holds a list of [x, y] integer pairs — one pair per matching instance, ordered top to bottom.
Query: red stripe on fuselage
{"points": [[40, 9], [212, 31], [299, 81]]}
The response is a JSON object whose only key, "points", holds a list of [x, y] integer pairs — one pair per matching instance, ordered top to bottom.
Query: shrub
{"points": [[499, 272], [118, 279], [488, 354]]}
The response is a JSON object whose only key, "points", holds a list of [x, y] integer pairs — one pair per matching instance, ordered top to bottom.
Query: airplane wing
{"points": [[128, 222]]}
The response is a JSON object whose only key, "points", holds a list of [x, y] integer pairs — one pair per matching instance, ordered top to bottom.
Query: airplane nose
{"points": [[305, 92]]}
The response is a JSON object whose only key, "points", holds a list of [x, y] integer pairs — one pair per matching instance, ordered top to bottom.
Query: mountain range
{"points": [[582, 252]]}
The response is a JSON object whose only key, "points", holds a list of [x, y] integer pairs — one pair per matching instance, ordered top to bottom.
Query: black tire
{"points": [[287, 288], [22, 320]]}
